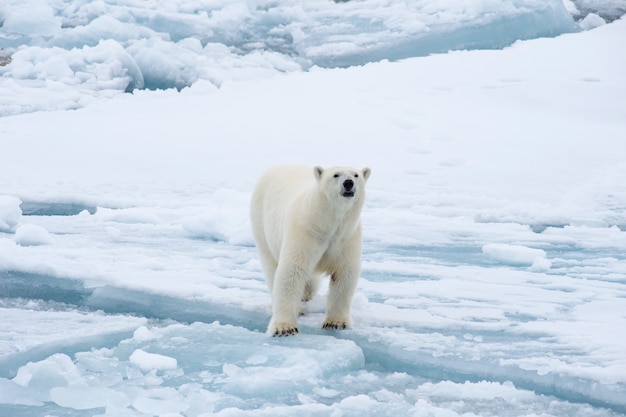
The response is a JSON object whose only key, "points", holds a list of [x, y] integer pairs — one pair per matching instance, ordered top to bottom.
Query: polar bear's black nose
{"points": [[348, 184]]}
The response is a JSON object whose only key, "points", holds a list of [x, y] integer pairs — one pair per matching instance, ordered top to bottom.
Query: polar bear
{"points": [[306, 223]]}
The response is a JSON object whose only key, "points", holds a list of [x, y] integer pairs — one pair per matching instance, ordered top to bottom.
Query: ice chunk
{"points": [[571, 8], [31, 18], [592, 21], [105, 27], [402, 30], [165, 64], [103, 66], [10, 213], [32, 235], [513, 254], [143, 334], [149, 361], [56, 371]]}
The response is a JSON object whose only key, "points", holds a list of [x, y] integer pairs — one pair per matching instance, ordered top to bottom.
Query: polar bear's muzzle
{"points": [[348, 188]]}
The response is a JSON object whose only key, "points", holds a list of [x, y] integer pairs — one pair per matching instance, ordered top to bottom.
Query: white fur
{"points": [[305, 226]]}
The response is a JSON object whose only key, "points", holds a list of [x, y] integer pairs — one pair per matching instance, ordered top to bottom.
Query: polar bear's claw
{"points": [[334, 326], [285, 332]]}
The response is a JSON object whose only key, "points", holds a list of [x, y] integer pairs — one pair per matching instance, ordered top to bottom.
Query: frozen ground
{"points": [[494, 273]]}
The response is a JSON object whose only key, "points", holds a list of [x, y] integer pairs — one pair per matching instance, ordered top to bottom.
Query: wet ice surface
{"points": [[494, 266], [440, 330], [432, 342]]}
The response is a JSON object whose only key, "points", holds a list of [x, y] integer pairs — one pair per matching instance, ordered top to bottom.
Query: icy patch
{"points": [[42, 332], [208, 374], [87, 398]]}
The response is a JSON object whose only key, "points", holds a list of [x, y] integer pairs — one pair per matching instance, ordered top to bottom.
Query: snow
{"points": [[493, 277]]}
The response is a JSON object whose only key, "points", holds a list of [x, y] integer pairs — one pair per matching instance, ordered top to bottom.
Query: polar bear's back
{"points": [[275, 191]]}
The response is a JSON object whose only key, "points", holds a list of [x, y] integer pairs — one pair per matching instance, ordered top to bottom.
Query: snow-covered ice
{"points": [[494, 266]]}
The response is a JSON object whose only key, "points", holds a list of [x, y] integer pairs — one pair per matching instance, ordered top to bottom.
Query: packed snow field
{"points": [[494, 265]]}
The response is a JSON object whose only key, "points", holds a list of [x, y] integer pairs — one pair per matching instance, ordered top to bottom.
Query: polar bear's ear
{"points": [[318, 171], [366, 173]]}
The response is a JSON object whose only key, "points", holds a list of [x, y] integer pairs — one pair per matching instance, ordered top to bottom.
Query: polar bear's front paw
{"points": [[336, 324], [283, 329]]}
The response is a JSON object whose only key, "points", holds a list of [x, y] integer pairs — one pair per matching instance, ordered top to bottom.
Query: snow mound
{"points": [[10, 213], [32, 235]]}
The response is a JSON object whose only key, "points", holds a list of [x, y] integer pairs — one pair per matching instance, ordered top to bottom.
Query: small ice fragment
{"points": [[591, 21], [143, 334], [149, 361]]}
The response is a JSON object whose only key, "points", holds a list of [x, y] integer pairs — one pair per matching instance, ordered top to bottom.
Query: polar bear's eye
{"points": [[336, 175], [356, 175]]}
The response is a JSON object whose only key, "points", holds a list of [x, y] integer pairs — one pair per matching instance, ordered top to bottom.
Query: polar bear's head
{"points": [[344, 182]]}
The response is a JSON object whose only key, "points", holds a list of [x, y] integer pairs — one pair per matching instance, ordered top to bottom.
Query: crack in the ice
{"points": [[39, 208]]}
